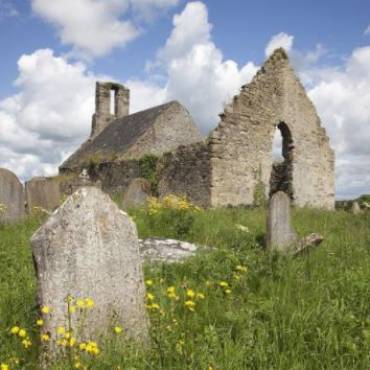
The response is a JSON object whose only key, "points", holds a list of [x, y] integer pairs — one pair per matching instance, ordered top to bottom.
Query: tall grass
{"points": [[311, 312]]}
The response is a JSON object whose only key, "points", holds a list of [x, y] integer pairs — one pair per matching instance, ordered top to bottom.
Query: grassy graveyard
{"points": [[235, 306]]}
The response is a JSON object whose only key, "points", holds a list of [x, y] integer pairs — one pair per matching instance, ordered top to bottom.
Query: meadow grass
{"points": [[253, 309]]}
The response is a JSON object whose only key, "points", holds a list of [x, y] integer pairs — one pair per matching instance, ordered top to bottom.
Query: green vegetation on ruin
{"points": [[310, 312]]}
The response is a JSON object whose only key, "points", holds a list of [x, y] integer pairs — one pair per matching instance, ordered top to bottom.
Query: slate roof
{"points": [[118, 136]]}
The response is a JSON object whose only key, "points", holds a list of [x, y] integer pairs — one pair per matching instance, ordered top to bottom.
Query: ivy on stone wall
{"points": [[148, 170]]}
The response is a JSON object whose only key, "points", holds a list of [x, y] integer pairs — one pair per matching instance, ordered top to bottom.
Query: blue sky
{"points": [[57, 49]]}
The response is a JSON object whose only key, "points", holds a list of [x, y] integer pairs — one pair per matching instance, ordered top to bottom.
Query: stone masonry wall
{"points": [[241, 145], [186, 171]]}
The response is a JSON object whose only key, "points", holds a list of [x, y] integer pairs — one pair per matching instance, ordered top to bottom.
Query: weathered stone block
{"points": [[11, 197], [280, 233], [89, 248]]}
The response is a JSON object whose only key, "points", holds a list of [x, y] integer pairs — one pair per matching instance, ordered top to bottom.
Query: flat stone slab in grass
{"points": [[11, 197], [280, 232], [89, 248], [166, 250]]}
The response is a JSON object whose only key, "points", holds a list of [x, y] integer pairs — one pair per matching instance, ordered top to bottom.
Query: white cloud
{"points": [[95, 27], [367, 31], [281, 40], [197, 73], [342, 97], [50, 115]]}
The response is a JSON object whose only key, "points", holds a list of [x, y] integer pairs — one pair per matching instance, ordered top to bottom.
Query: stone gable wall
{"points": [[241, 146]]}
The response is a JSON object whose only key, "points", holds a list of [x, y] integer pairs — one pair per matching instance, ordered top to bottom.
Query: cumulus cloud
{"points": [[95, 27], [281, 40], [197, 73], [342, 97], [48, 117]]}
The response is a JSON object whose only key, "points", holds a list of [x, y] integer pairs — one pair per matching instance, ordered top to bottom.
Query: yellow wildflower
{"points": [[241, 268], [149, 282], [223, 284], [227, 291], [171, 292], [190, 293], [200, 296], [150, 297], [80, 303], [89, 303], [190, 305], [153, 306], [45, 309], [72, 309], [39, 322], [15, 329], [118, 329], [61, 330], [22, 333], [67, 335], [45, 337], [72, 341], [62, 342], [26, 343], [82, 346], [92, 348], [77, 365], [4, 366]]}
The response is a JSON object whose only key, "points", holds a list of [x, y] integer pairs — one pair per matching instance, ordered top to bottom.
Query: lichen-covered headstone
{"points": [[43, 192], [136, 194], [11, 197], [355, 209], [280, 233], [88, 248]]}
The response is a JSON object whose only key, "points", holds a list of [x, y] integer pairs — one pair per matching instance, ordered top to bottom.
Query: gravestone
{"points": [[42, 192], [136, 194], [11, 197], [355, 209], [280, 233], [89, 248]]}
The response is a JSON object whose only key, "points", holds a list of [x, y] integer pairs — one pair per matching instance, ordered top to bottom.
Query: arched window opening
{"points": [[282, 156]]}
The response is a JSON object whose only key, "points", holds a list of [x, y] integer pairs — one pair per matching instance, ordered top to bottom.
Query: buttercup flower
{"points": [[149, 282], [190, 293], [190, 305], [45, 309], [39, 322], [118, 329], [15, 330], [22, 333], [45, 337]]}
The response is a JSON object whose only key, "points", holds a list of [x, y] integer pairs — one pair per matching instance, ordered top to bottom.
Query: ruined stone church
{"points": [[234, 164]]}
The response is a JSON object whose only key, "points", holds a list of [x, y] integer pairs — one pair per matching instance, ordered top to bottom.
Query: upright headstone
{"points": [[42, 192], [136, 194], [11, 197], [355, 209], [280, 233], [89, 248]]}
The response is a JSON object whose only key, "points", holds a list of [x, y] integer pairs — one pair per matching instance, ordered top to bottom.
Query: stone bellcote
{"points": [[108, 95]]}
